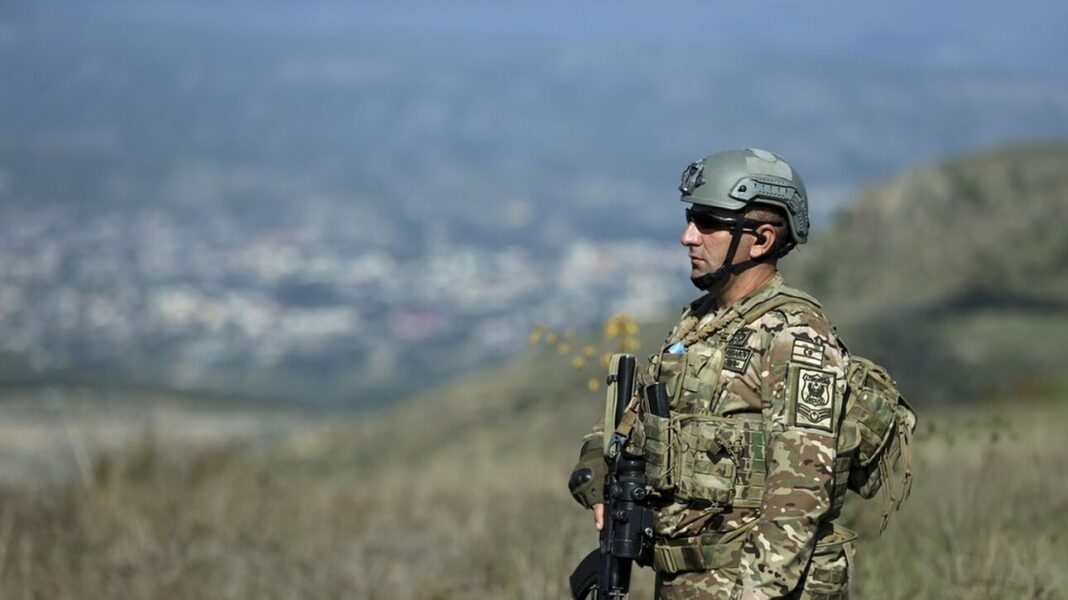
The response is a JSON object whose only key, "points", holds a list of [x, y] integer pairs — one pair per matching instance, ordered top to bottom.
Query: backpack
{"points": [[877, 425], [875, 428]]}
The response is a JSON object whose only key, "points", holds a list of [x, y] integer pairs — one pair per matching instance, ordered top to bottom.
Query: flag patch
{"points": [[808, 353]]}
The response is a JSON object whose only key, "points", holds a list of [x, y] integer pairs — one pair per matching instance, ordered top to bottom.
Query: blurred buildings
{"points": [[145, 295]]}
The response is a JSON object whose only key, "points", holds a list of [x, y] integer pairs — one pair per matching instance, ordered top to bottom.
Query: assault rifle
{"points": [[627, 533]]}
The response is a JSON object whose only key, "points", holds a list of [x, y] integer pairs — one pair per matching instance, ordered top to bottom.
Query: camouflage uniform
{"points": [[746, 466], [745, 474]]}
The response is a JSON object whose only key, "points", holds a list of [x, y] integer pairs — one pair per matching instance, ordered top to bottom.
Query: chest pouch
{"points": [[670, 369], [679, 375], [691, 378], [659, 454], [693, 455], [705, 460], [704, 466]]}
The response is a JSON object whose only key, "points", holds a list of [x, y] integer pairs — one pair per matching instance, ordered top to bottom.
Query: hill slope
{"points": [[954, 275]]}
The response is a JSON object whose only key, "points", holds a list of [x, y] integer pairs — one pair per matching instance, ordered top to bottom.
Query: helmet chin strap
{"points": [[709, 280]]}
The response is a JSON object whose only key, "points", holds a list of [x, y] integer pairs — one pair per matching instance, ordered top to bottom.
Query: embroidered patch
{"points": [[740, 337], [808, 353], [736, 359], [814, 400]]}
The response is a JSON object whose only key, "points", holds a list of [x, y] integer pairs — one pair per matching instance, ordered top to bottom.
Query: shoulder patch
{"points": [[740, 337], [736, 359], [813, 399]]}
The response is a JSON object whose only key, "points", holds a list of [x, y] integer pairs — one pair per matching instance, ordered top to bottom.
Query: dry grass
{"points": [[487, 515], [986, 517]]}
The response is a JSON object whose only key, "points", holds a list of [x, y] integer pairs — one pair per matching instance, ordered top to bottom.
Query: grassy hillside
{"points": [[954, 274], [436, 504]]}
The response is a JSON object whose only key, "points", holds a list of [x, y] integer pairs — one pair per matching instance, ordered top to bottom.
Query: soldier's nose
{"points": [[689, 235]]}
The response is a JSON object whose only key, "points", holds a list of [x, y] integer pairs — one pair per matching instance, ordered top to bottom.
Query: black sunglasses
{"points": [[708, 221]]}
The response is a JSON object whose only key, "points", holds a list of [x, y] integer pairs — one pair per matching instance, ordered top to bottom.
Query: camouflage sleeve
{"points": [[802, 388], [587, 478]]}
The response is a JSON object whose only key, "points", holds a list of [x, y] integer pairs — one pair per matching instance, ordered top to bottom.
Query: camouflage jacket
{"points": [[746, 463]]}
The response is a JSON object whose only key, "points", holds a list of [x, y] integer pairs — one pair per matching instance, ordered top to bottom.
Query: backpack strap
{"points": [[750, 314]]}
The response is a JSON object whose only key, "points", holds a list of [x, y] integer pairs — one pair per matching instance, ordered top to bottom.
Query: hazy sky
{"points": [[1026, 35], [642, 87]]}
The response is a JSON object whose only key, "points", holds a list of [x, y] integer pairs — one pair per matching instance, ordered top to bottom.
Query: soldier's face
{"points": [[707, 243]]}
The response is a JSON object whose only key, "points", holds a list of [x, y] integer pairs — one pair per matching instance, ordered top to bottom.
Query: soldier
{"points": [[745, 476]]}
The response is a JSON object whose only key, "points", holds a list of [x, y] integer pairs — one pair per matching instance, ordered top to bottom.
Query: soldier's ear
{"points": [[766, 236]]}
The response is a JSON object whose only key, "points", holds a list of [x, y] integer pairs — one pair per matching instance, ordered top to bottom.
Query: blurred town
{"points": [[201, 303]]}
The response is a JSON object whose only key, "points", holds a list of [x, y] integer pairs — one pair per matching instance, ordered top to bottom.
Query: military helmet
{"points": [[736, 179]]}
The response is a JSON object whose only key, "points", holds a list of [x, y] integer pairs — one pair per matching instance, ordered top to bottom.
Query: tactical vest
{"points": [[695, 455], [718, 463]]}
